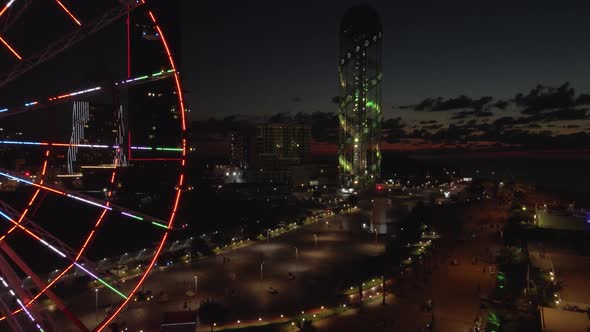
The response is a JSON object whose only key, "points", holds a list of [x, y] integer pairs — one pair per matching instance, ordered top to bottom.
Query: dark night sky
{"points": [[254, 57], [264, 57]]}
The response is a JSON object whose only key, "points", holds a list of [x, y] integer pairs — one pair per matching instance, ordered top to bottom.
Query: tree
{"points": [[200, 246], [212, 313], [494, 322], [305, 325]]}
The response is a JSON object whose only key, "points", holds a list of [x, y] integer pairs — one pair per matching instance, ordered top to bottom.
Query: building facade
{"points": [[153, 113], [360, 116], [285, 141], [243, 147], [279, 147]]}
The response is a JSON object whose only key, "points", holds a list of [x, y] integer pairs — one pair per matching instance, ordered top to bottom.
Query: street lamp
{"points": [[315, 237], [296, 257], [261, 269], [196, 284], [96, 304]]}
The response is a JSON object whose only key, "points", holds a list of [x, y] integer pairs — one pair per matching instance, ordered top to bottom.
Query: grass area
{"points": [[278, 231], [231, 246], [366, 285], [288, 324], [273, 327]]}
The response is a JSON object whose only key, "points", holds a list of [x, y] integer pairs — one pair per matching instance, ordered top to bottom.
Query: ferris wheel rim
{"points": [[98, 222]]}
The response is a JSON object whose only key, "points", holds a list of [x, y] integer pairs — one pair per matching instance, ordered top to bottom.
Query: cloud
{"points": [[543, 98], [583, 99], [462, 102], [500, 104], [468, 114], [544, 117], [428, 122], [432, 127]]}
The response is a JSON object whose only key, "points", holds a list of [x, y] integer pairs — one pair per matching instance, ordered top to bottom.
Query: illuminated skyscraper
{"points": [[359, 72]]}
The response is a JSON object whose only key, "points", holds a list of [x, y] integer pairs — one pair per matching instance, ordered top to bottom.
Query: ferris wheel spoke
{"points": [[5, 8], [12, 15], [72, 16], [69, 40], [11, 49], [40, 103], [90, 146], [32, 200], [88, 200], [50, 239], [61, 252], [11, 282], [40, 285], [22, 308], [13, 324]]}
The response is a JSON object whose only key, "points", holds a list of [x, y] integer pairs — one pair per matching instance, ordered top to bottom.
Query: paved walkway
{"points": [[239, 284], [454, 289]]}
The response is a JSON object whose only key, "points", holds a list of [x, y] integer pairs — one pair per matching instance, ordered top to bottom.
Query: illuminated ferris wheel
{"points": [[91, 168]]}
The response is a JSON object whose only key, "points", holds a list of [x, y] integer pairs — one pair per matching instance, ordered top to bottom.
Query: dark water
{"points": [[566, 176]]}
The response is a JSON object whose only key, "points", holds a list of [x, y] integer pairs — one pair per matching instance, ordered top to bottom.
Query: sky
{"points": [[264, 57], [452, 69]]}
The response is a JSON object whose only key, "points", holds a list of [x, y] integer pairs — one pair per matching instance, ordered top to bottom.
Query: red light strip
{"points": [[68, 12], [128, 41], [10, 48], [173, 66], [26, 210], [104, 211], [22, 217], [80, 252], [110, 318]]}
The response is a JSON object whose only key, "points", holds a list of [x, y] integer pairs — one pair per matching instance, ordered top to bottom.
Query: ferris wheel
{"points": [[89, 169]]}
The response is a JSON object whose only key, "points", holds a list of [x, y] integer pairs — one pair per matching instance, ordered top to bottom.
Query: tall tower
{"points": [[359, 73]]}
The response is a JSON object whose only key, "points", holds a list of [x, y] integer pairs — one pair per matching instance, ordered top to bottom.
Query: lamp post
{"points": [[315, 238], [296, 258], [261, 269], [196, 284], [96, 304]]}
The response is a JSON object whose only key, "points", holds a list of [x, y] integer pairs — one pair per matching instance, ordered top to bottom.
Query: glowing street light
{"points": [[196, 284], [96, 306]]}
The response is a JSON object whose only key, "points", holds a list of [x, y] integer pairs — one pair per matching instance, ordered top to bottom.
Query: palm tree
{"points": [[493, 322], [305, 325]]}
